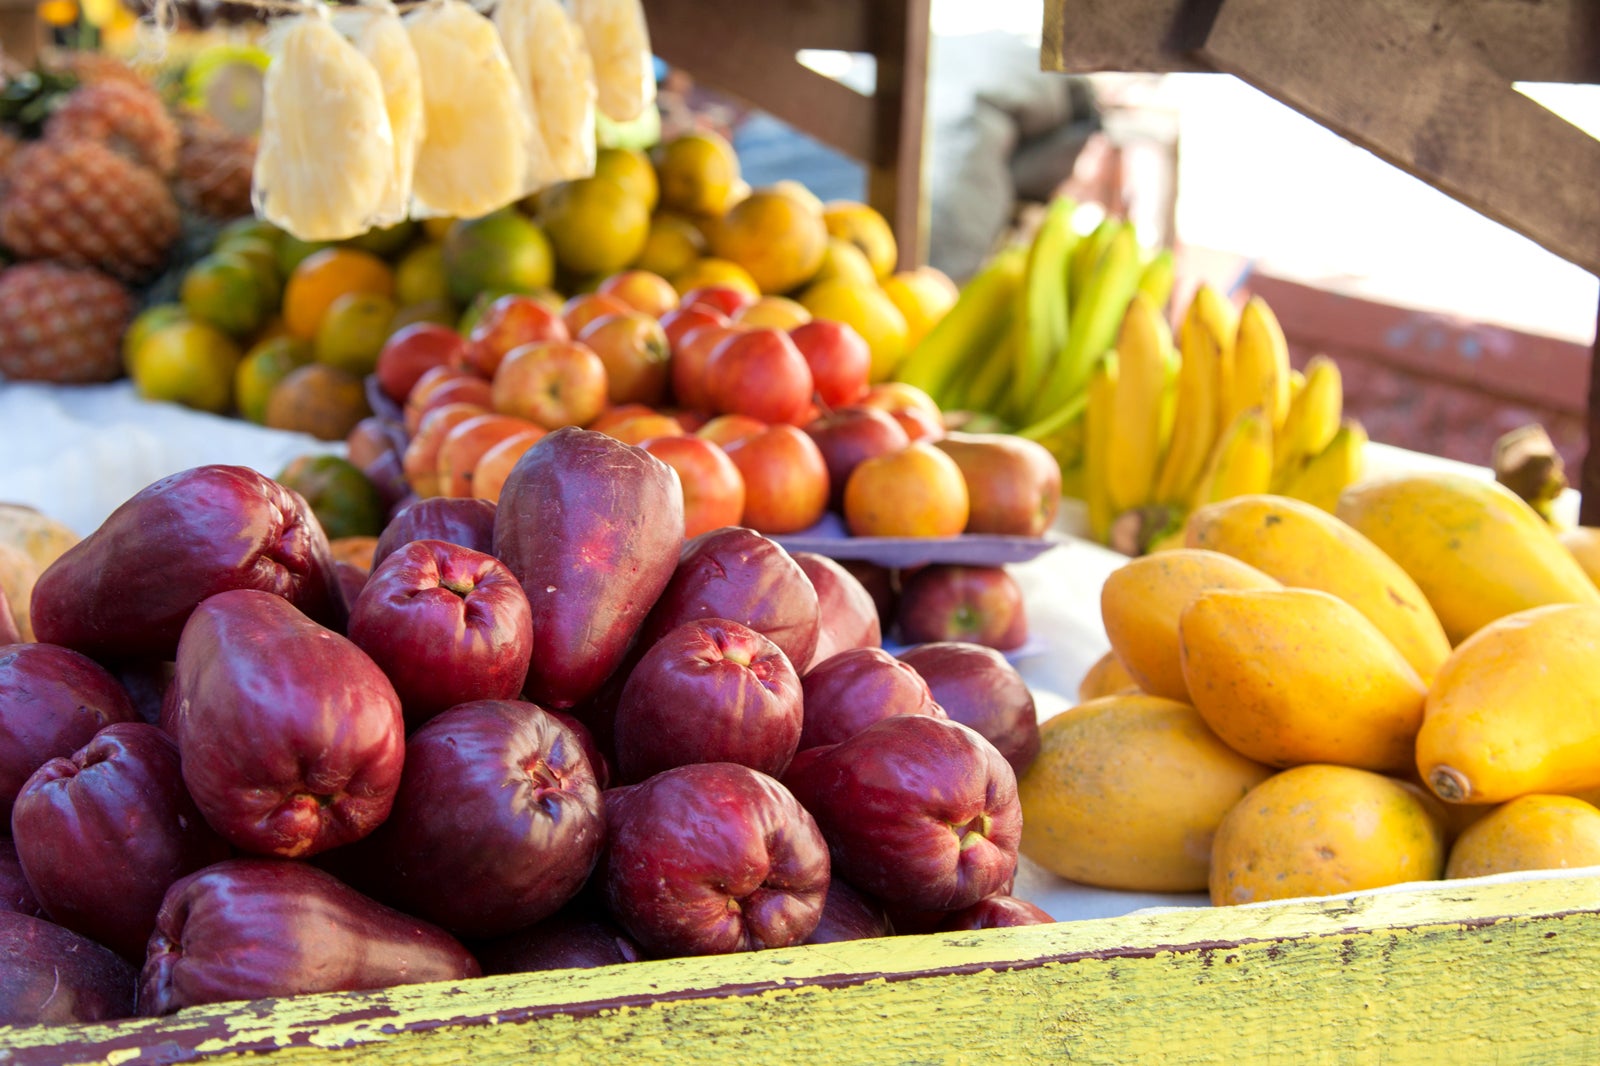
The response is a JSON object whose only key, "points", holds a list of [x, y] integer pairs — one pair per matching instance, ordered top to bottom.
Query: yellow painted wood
{"points": [[1484, 972]]}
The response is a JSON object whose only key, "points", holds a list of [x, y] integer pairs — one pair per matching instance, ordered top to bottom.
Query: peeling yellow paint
{"points": [[1502, 972]]}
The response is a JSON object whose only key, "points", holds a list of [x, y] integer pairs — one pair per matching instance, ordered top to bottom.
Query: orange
{"points": [[632, 170], [698, 172], [802, 195], [596, 225], [865, 228], [775, 236], [384, 240], [672, 245], [292, 251], [500, 252], [843, 260], [712, 271], [420, 276], [322, 278], [224, 290], [924, 296], [777, 312], [873, 315], [145, 323], [353, 331], [189, 363], [266, 364], [323, 401], [918, 491], [344, 499]]}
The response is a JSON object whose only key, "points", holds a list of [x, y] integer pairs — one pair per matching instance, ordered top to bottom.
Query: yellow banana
{"points": [[1086, 256], [1157, 277], [1214, 314], [1094, 321], [1039, 324], [969, 332], [1142, 344], [1170, 365], [1260, 365], [1297, 384], [985, 388], [1314, 417], [1194, 425], [1099, 429], [1241, 462], [1321, 479]]}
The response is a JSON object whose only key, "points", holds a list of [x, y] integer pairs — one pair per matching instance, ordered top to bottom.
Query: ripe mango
{"points": [[1584, 544], [1306, 547], [1475, 548], [1140, 603], [1106, 676], [1289, 676], [1516, 709], [1127, 792], [1315, 830], [1528, 833]]}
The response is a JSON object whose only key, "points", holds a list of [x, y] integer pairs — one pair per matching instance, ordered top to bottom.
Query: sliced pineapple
{"points": [[375, 29], [619, 41], [556, 75], [475, 149], [326, 151]]}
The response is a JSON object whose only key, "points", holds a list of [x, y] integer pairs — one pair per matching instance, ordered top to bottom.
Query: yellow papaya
{"points": [[1528, 833]]}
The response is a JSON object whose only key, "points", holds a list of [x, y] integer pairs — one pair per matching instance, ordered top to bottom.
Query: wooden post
{"points": [[19, 31], [896, 177]]}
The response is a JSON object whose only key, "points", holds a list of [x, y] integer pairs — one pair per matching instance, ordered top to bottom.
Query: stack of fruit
{"points": [[98, 176], [1302, 703], [547, 733]]}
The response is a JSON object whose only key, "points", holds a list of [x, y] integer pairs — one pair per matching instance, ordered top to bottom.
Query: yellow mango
{"points": [[43, 538], [1584, 544], [1306, 547], [1474, 547], [1140, 602], [1106, 676], [1289, 676], [1516, 709], [1127, 793], [1316, 830], [1528, 833]]}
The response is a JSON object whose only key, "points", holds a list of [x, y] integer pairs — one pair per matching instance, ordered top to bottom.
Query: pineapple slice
{"points": [[375, 29], [619, 41], [556, 75], [326, 150], [475, 150]]}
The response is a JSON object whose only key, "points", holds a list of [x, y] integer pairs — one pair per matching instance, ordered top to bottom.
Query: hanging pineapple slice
{"points": [[375, 29], [619, 41], [556, 74], [475, 149], [326, 152]]}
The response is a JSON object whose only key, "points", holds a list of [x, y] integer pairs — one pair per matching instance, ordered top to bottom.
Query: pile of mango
{"points": [[1299, 703]]}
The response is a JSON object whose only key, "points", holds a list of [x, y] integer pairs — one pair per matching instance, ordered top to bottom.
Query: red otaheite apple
{"points": [[846, 436], [467, 522], [975, 604], [846, 611], [447, 625], [978, 687], [853, 689], [709, 690], [291, 737], [920, 812], [713, 858], [15, 895], [997, 912], [849, 914], [577, 937], [50, 975]]}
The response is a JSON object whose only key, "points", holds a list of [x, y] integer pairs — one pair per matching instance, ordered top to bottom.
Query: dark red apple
{"points": [[722, 298], [510, 322], [412, 351], [690, 354], [839, 358], [381, 403], [847, 435], [371, 437], [387, 473], [1013, 484], [468, 522], [592, 528], [738, 574], [882, 584], [125, 590], [976, 604], [847, 615], [8, 623], [447, 625], [978, 687], [709, 690], [852, 690], [52, 701], [291, 737], [599, 763], [921, 812], [497, 823], [103, 834], [713, 858], [15, 895], [997, 912], [849, 914], [261, 928], [574, 938], [50, 975]]}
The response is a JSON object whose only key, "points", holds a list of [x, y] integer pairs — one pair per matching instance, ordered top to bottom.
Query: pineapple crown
{"points": [[29, 98]]}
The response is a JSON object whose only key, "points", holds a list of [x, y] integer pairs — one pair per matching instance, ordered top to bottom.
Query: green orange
{"points": [[503, 252], [224, 289], [353, 330], [189, 363], [268, 363], [343, 498]]}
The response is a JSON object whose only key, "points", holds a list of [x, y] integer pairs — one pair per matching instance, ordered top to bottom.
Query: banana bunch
{"points": [[1028, 331], [1218, 412]]}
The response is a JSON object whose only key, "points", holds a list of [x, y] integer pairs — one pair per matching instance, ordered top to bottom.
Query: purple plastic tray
{"points": [[828, 537]]}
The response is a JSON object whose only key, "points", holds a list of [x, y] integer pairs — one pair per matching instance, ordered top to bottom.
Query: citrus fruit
{"points": [[631, 169], [697, 172], [802, 195], [595, 225], [253, 228], [438, 228], [865, 228], [775, 236], [384, 240], [671, 246], [292, 251], [501, 252], [263, 256], [843, 260], [711, 271], [325, 276], [420, 276], [223, 290], [923, 295], [440, 311], [870, 312], [145, 323], [353, 331], [189, 363], [263, 366], [321, 400], [343, 498]]}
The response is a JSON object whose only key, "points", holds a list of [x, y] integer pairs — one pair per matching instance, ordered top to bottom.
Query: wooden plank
{"points": [[827, 24], [1084, 36], [1533, 40], [1408, 89], [897, 178], [1475, 971]]}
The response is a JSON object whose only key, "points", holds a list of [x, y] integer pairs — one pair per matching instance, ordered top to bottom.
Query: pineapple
{"points": [[129, 118], [214, 165], [83, 204], [61, 324]]}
